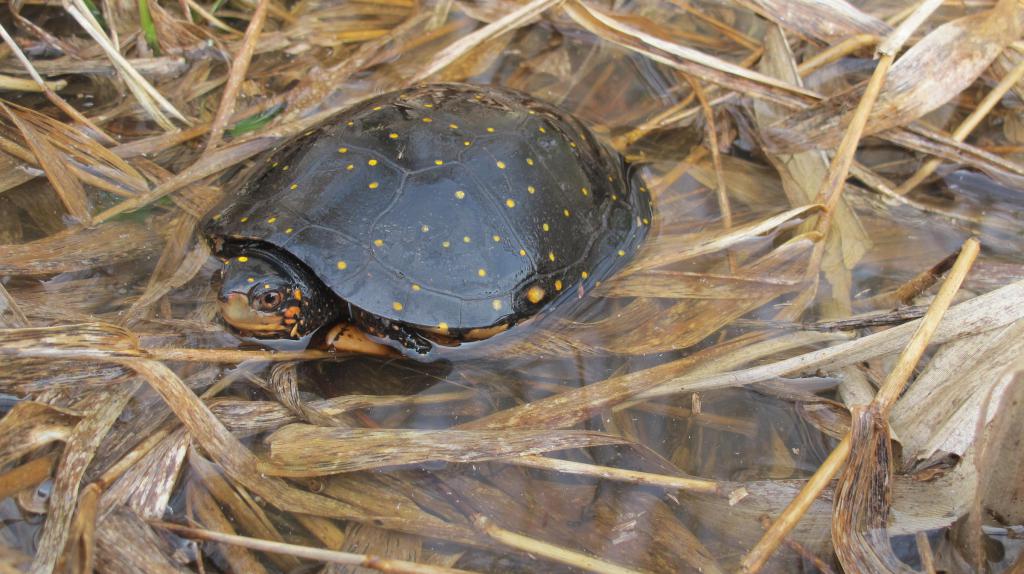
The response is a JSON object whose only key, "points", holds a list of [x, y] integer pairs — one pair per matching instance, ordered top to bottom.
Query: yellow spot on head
{"points": [[427, 120], [453, 126], [490, 130], [393, 135], [343, 150], [529, 161], [372, 162], [438, 162], [501, 165], [373, 185], [293, 186], [531, 189], [584, 191], [460, 194], [510, 203], [565, 212], [272, 220], [546, 227], [425, 228], [289, 230], [496, 238], [466, 239], [378, 242], [446, 244], [522, 253], [622, 253], [551, 255], [243, 259], [342, 265], [481, 272], [585, 274], [251, 280], [558, 284], [266, 285], [415, 287], [535, 294], [496, 304], [396, 306]]}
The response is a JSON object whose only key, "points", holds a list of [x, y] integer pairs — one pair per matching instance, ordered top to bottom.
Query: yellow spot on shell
{"points": [[428, 105], [377, 108], [427, 120], [350, 123], [453, 126], [490, 130], [542, 130], [393, 135], [466, 143], [572, 144], [343, 150], [529, 161], [372, 162], [438, 162], [275, 164], [501, 165], [350, 167], [285, 168], [373, 185], [293, 186], [531, 189], [584, 191], [460, 194], [615, 197], [510, 203], [565, 212], [217, 217], [244, 219], [272, 220], [646, 221], [546, 227], [425, 228], [289, 230], [496, 238], [466, 239], [378, 242], [446, 244], [522, 252], [622, 253], [551, 255], [243, 259], [481, 272], [585, 274], [251, 280], [558, 284], [415, 287], [534, 294], [496, 304], [396, 306], [443, 327]]}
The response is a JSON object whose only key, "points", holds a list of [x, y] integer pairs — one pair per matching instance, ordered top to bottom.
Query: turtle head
{"points": [[266, 295]]}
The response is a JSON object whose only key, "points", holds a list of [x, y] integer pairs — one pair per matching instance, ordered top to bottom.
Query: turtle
{"points": [[437, 214]]}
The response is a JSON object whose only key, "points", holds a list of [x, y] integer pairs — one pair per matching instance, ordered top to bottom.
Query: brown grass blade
{"points": [[827, 20], [929, 74], [68, 188], [80, 249], [686, 285], [31, 426], [306, 450], [26, 475], [147, 485], [209, 514], [127, 545]]}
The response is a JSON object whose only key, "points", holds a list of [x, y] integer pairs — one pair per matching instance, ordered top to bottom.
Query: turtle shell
{"points": [[446, 205]]}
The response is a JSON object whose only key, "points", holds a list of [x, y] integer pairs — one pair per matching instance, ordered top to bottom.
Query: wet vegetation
{"points": [[813, 364]]}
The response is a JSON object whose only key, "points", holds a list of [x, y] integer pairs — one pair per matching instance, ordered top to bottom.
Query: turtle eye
{"points": [[268, 300]]}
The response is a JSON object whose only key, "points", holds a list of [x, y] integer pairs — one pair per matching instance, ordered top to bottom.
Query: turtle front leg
{"points": [[347, 338]]}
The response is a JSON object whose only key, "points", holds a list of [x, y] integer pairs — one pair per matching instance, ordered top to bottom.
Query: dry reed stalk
{"points": [[894, 384], [619, 475], [317, 554]]}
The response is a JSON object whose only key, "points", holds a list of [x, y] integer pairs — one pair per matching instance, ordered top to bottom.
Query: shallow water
{"points": [[692, 316]]}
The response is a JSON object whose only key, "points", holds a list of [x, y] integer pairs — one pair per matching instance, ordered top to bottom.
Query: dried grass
{"points": [[808, 201]]}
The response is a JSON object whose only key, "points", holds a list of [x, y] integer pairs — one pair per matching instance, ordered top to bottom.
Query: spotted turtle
{"points": [[436, 214]]}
